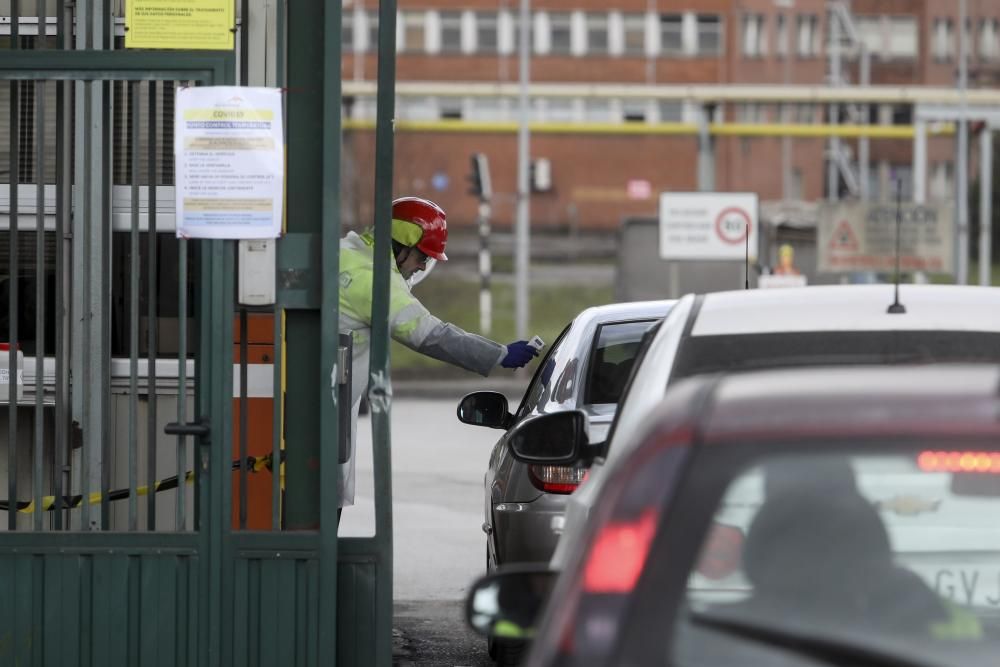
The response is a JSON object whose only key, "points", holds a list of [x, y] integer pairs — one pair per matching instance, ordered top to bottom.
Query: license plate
{"points": [[969, 585]]}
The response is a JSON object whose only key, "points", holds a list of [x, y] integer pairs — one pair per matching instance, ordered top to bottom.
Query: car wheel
{"points": [[491, 645], [510, 653]]}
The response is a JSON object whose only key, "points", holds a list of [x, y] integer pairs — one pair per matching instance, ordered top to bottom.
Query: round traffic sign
{"points": [[733, 225]]}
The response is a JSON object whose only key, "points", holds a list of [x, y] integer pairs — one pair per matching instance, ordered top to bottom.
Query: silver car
{"points": [[586, 368]]}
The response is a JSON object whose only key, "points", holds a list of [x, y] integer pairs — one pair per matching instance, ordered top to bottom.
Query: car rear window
{"points": [[615, 349], [711, 354], [853, 551]]}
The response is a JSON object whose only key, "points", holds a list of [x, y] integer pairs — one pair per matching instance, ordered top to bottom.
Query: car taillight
{"points": [[944, 461], [556, 479], [722, 553], [619, 554]]}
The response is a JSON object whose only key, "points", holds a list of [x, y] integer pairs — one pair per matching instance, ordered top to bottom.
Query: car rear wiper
{"points": [[828, 647]]}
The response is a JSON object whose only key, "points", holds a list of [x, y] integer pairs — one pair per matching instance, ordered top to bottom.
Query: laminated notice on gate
{"points": [[230, 166]]}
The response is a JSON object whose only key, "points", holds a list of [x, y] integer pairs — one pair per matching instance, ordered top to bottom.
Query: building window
{"points": [[372, 22], [634, 27], [414, 31], [487, 31], [347, 32], [451, 32], [560, 33], [597, 33], [671, 34], [709, 34], [871, 34], [754, 36], [902, 37], [943, 40], [781, 41], [807, 44], [989, 48], [412, 108], [450, 108], [488, 109], [557, 110], [598, 111], [634, 111], [671, 111], [751, 113], [804, 114], [902, 114], [941, 179]]}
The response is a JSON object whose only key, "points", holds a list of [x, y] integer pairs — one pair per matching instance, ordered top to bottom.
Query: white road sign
{"points": [[230, 158], [708, 225]]}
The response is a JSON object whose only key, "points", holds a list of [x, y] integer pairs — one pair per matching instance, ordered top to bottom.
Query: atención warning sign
{"points": [[855, 236]]}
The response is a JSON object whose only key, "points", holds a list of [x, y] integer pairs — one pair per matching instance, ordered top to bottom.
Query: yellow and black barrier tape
{"points": [[254, 464]]}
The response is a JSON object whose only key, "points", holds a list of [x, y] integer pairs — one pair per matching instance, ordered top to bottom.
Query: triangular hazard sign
{"points": [[843, 238]]}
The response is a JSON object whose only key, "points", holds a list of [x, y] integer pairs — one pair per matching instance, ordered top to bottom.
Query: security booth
{"points": [[168, 441]]}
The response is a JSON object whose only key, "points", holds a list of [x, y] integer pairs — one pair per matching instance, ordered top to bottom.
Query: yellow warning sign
{"points": [[180, 24]]}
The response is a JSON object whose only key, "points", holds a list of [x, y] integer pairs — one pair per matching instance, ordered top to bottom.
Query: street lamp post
{"points": [[962, 159], [522, 226]]}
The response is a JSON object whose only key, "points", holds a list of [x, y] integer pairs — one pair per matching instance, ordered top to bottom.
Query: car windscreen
{"points": [[615, 349], [734, 352]]}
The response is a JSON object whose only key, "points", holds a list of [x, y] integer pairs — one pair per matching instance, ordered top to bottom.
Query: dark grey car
{"points": [[585, 368]]}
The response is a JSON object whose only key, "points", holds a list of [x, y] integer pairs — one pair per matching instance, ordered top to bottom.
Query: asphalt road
{"points": [[437, 469]]}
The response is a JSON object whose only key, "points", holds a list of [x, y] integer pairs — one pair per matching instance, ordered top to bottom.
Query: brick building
{"points": [[598, 178]]}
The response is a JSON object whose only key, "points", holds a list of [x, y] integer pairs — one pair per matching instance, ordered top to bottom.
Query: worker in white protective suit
{"points": [[419, 236]]}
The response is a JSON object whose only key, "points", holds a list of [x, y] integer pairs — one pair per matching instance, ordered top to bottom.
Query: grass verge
{"points": [[552, 308]]}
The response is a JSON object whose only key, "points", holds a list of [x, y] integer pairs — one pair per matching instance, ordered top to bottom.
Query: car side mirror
{"points": [[484, 408], [553, 439], [506, 604]]}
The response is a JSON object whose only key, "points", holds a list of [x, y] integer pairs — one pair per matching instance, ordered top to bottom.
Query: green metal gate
{"points": [[120, 544], [117, 550], [82, 582]]}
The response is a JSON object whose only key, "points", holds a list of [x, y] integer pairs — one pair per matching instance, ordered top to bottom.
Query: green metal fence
{"points": [[120, 546]]}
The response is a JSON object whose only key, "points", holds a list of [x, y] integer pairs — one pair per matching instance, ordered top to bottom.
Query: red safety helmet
{"points": [[431, 220]]}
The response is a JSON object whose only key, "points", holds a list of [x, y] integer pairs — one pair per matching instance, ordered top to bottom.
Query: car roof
{"points": [[849, 308], [614, 312], [946, 400]]}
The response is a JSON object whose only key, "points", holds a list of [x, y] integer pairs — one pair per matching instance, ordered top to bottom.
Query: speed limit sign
{"points": [[708, 225], [733, 225]]}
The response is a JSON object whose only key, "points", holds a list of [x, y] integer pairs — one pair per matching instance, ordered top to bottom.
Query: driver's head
{"points": [[814, 532]]}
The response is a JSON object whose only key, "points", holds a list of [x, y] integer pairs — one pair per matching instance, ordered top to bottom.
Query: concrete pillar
{"points": [[706, 152], [920, 161], [985, 205]]}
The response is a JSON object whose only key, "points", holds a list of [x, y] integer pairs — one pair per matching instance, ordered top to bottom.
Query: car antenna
{"points": [[746, 284], [896, 308]]}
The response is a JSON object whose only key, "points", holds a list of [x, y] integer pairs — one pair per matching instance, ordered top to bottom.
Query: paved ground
{"points": [[439, 548], [434, 634]]}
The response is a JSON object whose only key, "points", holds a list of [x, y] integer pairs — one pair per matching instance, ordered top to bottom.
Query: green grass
{"points": [[944, 279], [457, 301]]}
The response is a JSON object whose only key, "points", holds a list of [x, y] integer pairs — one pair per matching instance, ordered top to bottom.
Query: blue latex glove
{"points": [[518, 354]]}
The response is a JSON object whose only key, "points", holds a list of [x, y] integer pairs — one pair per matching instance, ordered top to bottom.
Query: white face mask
{"points": [[420, 275]]}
